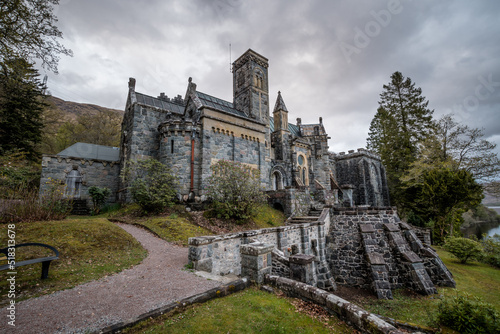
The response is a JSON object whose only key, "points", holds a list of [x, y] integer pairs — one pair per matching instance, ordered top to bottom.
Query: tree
{"points": [[28, 31], [21, 105], [53, 119], [401, 123], [468, 150], [152, 185], [234, 189], [442, 195], [463, 249]]}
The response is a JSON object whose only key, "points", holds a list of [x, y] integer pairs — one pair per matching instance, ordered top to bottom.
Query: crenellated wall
{"points": [[94, 172]]}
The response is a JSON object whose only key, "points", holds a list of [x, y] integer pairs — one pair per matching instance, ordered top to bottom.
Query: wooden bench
{"points": [[44, 260]]}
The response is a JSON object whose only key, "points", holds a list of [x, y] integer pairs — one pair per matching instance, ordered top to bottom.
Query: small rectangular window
{"points": [[172, 146]]}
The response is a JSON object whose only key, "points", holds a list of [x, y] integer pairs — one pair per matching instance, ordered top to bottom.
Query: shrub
{"points": [[17, 174], [153, 185], [235, 190], [99, 196], [28, 205], [463, 248], [491, 250], [468, 314]]}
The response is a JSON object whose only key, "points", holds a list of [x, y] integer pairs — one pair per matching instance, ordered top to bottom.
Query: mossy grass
{"points": [[267, 216], [173, 228], [90, 248], [477, 279], [249, 311]]}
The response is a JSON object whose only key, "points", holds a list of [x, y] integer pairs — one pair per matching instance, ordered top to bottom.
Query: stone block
{"points": [[391, 227], [366, 228], [411, 257], [375, 258], [301, 259], [203, 265]]}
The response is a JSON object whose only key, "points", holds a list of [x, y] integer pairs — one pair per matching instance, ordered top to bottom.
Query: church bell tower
{"points": [[251, 86]]}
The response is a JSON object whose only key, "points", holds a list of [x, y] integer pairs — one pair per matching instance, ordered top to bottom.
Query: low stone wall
{"points": [[220, 254], [364, 321]]}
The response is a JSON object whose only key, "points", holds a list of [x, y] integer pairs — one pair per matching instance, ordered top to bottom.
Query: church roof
{"points": [[205, 99], [160, 104], [218, 104], [280, 104], [294, 129], [91, 151]]}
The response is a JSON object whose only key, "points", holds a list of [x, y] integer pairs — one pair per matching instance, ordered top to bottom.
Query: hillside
{"points": [[74, 109], [69, 122], [490, 199]]}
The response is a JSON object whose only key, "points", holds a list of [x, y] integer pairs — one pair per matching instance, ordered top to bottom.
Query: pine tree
{"points": [[21, 105], [401, 123]]}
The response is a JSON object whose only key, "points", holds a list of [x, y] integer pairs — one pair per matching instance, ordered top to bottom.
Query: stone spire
{"points": [[280, 104], [280, 115]]}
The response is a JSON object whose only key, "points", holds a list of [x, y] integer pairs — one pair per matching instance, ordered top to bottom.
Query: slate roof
{"points": [[160, 104], [219, 104], [294, 129], [91, 151]]}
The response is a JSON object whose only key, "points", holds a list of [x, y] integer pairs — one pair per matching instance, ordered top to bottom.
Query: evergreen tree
{"points": [[21, 105], [401, 123], [441, 196]]}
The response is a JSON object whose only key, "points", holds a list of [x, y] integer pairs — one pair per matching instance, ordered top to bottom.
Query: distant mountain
{"points": [[74, 109], [490, 199]]}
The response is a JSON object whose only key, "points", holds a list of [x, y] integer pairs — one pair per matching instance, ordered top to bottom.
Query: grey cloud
{"points": [[443, 46]]}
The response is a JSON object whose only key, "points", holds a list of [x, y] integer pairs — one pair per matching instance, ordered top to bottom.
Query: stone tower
{"points": [[251, 86]]}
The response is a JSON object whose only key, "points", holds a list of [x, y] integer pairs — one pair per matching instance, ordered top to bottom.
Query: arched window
{"points": [[258, 79], [304, 176], [277, 181], [73, 183]]}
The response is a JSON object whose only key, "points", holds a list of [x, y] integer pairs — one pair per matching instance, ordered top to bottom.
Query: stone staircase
{"points": [[80, 207], [376, 262], [432, 262], [415, 274]]}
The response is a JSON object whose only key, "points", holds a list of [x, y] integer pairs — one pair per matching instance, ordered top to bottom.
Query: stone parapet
{"points": [[354, 315]]}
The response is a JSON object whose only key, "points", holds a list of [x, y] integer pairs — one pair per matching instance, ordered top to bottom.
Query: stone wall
{"points": [[229, 138], [364, 171], [98, 173], [293, 201], [371, 248], [221, 254]]}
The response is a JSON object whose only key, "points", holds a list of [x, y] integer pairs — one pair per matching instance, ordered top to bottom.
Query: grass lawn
{"points": [[179, 226], [173, 228], [89, 248], [476, 278], [249, 311]]}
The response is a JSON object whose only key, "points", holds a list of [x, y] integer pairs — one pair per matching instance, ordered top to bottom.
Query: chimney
{"points": [[131, 83]]}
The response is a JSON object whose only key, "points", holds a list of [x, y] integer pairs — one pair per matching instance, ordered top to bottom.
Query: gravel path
{"points": [[157, 281]]}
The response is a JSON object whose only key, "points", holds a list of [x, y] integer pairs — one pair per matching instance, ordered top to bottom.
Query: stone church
{"points": [[190, 133]]}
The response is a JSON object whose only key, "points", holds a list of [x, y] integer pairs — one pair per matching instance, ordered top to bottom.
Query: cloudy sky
{"points": [[328, 58]]}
